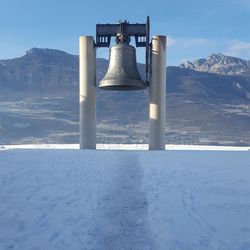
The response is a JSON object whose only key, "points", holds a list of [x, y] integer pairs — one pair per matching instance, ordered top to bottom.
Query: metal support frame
{"points": [[123, 31], [104, 32]]}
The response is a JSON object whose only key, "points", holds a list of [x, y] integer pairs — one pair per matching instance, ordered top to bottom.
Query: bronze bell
{"points": [[122, 72]]}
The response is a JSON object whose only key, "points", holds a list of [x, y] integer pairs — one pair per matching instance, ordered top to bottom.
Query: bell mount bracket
{"points": [[123, 30]]}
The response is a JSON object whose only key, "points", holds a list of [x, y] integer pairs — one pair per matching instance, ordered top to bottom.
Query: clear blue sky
{"points": [[195, 28]]}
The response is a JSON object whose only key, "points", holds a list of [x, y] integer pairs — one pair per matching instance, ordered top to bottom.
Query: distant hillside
{"points": [[208, 86]]}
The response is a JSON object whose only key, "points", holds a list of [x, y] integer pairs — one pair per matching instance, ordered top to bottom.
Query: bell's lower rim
{"points": [[112, 85], [121, 88]]}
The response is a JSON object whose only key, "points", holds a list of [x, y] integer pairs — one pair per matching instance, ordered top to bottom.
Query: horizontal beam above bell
{"points": [[104, 32]]}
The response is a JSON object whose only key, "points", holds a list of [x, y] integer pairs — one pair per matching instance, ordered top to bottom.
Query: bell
{"points": [[122, 72]]}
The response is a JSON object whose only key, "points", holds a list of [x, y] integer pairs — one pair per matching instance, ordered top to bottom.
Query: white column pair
{"points": [[157, 93]]}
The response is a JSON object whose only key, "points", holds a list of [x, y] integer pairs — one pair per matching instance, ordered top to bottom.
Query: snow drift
{"points": [[96, 199]]}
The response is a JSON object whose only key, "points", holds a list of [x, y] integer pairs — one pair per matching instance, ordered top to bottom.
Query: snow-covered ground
{"points": [[125, 147], [53, 198]]}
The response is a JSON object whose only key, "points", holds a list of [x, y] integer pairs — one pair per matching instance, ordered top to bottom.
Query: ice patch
{"points": [[22, 125], [109, 199]]}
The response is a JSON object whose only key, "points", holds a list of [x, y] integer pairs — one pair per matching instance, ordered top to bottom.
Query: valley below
{"points": [[54, 118]]}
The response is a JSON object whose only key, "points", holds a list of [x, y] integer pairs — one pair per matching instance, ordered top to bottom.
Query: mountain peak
{"points": [[39, 51], [219, 64]]}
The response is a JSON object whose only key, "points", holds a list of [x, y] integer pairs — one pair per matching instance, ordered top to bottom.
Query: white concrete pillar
{"points": [[87, 89], [157, 94]]}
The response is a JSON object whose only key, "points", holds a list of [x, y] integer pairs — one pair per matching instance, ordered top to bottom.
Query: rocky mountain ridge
{"points": [[219, 64], [39, 68], [42, 69]]}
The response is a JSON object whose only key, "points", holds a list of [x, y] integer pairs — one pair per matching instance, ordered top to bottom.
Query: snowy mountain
{"points": [[219, 64]]}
